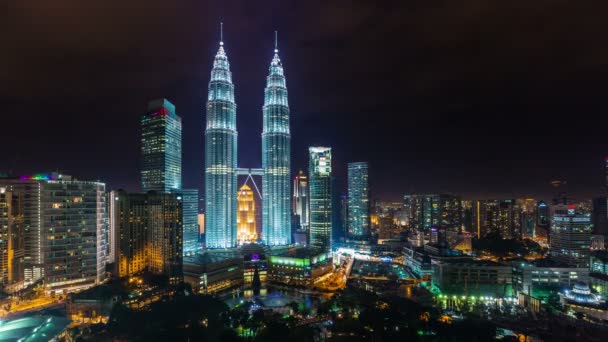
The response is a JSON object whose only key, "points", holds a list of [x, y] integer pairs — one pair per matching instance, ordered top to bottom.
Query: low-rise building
{"points": [[299, 267], [211, 273], [476, 278], [534, 278]]}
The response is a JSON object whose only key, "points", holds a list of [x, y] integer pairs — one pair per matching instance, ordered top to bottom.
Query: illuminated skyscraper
{"points": [[161, 147], [220, 156], [276, 158], [319, 170], [189, 199], [358, 199], [301, 200], [435, 211], [245, 220], [570, 238]]}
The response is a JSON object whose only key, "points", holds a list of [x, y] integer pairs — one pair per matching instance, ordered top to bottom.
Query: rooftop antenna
{"points": [[221, 33], [276, 42]]}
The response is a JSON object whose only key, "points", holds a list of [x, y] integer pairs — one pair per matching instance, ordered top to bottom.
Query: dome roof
{"points": [[581, 293]]}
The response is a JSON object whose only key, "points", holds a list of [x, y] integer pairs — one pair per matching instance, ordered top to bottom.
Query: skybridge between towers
{"points": [[250, 172]]}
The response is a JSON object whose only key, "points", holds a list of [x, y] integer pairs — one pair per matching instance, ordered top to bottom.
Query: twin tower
{"points": [[221, 157]]}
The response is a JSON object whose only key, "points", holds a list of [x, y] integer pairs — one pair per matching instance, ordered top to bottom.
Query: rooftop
{"points": [[33, 329]]}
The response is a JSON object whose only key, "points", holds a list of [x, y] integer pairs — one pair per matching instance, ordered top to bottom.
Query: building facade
{"points": [[161, 147], [220, 156], [276, 158], [161, 169], [319, 170], [189, 199], [358, 199], [301, 200], [435, 210], [245, 220], [64, 230], [148, 233], [570, 238], [12, 244]]}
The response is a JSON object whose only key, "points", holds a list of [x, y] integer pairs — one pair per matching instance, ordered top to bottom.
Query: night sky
{"points": [[475, 97]]}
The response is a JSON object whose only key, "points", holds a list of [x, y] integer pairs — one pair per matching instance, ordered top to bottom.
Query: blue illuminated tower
{"points": [[161, 147], [220, 156], [276, 158], [319, 171], [358, 199]]}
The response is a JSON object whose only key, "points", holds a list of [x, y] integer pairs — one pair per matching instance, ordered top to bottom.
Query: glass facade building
{"points": [[161, 147], [220, 157], [276, 158], [319, 170], [189, 198], [358, 199], [301, 200], [435, 211], [570, 238]]}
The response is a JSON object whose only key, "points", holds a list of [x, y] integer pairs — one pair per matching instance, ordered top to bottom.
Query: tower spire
{"points": [[221, 33], [276, 41]]}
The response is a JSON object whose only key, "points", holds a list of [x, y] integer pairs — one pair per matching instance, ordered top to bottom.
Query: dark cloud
{"points": [[473, 97]]}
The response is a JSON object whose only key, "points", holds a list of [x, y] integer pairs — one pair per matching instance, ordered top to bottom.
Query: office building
{"points": [[161, 147], [220, 156], [276, 158], [161, 169], [319, 171], [189, 199], [358, 199], [301, 200], [435, 210], [542, 214], [600, 216], [498, 217], [245, 220], [64, 230], [148, 233], [570, 239], [299, 267], [210, 273], [540, 277], [478, 278]]}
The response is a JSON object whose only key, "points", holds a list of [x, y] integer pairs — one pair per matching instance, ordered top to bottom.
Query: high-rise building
{"points": [[161, 147], [220, 156], [276, 158], [319, 171], [189, 198], [358, 199], [301, 200], [436, 210], [339, 213], [542, 214], [600, 215], [509, 219], [245, 220], [64, 230], [148, 233], [11, 237], [570, 238]]}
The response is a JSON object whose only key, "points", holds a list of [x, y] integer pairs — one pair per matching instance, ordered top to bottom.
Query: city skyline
{"points": [[465, 118]]}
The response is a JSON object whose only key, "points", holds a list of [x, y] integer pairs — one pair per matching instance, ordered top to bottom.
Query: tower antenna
{"points": [[221, 33], [276, 41]]}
